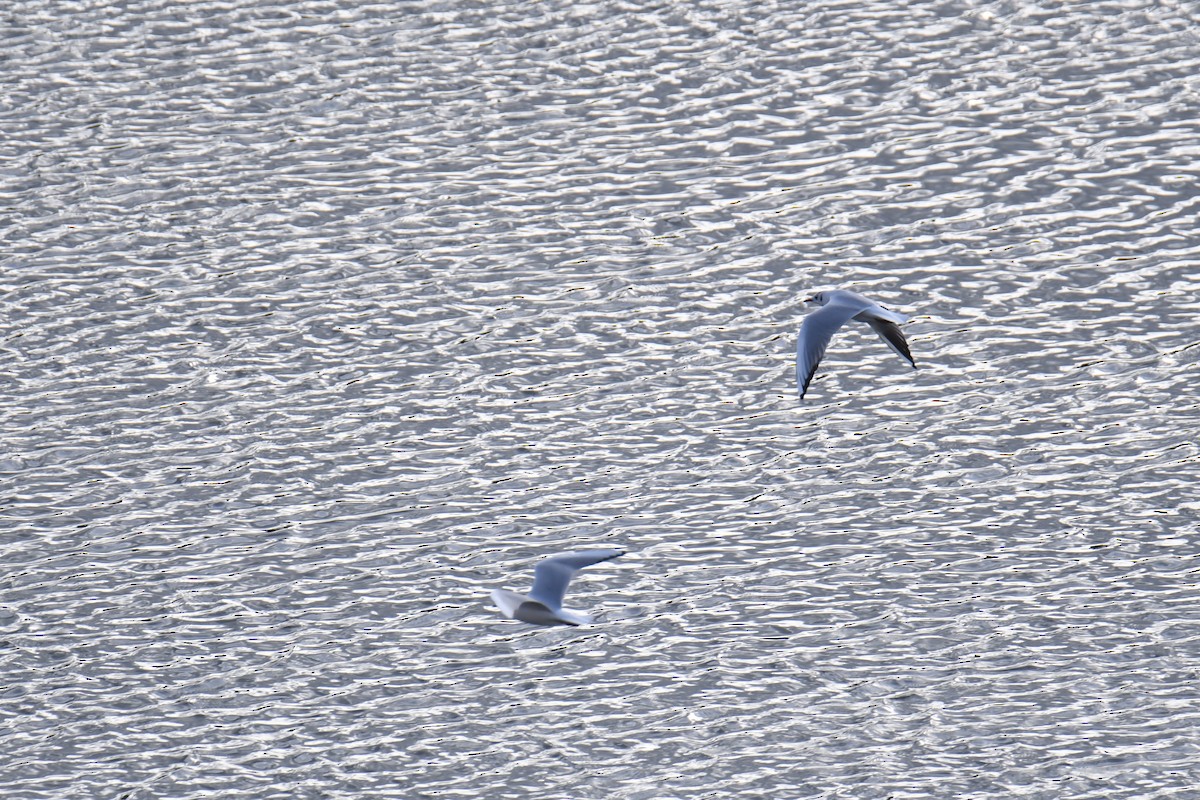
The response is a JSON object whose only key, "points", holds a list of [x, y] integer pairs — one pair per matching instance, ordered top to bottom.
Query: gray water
{"points": [[322, 319]]}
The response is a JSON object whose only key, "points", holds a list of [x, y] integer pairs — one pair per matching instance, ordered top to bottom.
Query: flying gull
{"points": [[837, 307], [543, 604]]}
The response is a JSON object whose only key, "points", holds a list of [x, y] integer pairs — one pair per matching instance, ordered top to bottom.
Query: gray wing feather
{"points": [[815, 333], [891, 333], [550, 577]]}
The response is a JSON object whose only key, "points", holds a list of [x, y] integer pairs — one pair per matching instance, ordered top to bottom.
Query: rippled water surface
{"points": [[322, 319]]}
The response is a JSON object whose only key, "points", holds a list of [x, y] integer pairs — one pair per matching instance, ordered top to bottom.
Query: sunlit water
{"points": [[322, 319]]}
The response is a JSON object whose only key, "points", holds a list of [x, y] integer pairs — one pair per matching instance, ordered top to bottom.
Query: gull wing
{"points": [[876, 311], [890, 332], [815, 333], [551, 576], [508, 602]]}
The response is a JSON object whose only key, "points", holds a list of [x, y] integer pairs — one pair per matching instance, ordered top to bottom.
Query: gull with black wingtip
{"points": [[837, 307]]}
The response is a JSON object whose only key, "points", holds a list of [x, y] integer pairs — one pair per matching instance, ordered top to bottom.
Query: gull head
{"points": [[820, 298]]}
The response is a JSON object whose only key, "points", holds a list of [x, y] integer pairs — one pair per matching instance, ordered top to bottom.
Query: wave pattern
{"points": [[322, 318]]}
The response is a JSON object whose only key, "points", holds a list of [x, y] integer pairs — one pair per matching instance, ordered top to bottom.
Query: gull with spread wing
{"points": [[836, 308], [543, 604]]}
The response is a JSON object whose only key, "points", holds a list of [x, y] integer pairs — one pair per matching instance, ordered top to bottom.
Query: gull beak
{"points": [[810, 299]]}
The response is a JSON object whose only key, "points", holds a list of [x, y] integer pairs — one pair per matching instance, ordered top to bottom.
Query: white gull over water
{"points": [[838, 307], [543, 604]]}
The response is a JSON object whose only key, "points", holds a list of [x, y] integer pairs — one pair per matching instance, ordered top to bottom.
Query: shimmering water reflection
{"points": [[322, 319]]}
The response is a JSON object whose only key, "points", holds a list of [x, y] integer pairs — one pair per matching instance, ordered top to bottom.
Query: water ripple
{"points": [[323, 318]]}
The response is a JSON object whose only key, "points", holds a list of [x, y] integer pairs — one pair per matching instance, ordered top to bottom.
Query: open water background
{"points": [[321, 319]]}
